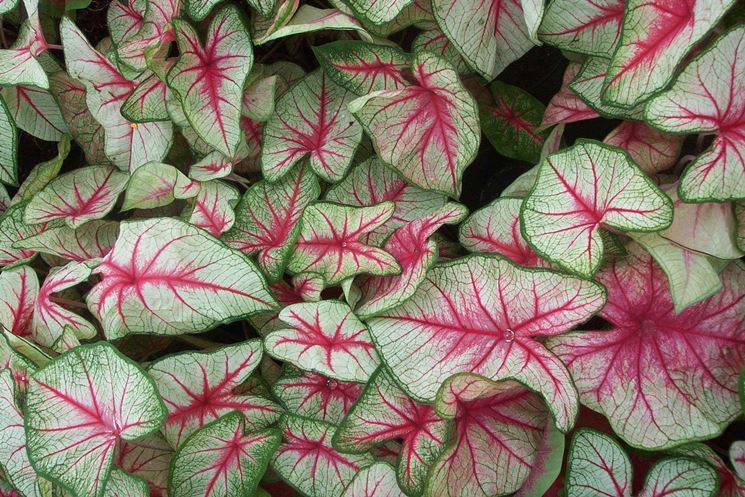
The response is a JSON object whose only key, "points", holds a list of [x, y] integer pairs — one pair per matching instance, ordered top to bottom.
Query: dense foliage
{"points": [[372, 248]]}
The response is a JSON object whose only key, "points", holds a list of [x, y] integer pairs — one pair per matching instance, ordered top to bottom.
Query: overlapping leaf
{"points": [[591, 28], [213, 207], [92, 240], [19, 288], [314, 396], [378, 480]]}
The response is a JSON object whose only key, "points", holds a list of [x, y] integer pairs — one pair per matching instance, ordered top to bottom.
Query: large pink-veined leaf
{"points": [[124, 19], [589, 27], [154, 33], [489, 34], [655, 37], [434, 41], [18, 64], [363, 67], [208, 79], [588, 84], [149, 100], [700, 104], [566, 106], [35, 111], [311, 121], [511, 123], [83, 128], [428, 131], [128, 145], [8, 146], [653, 151], [214, 165], [371, 182], [156, 184], [578, 191], [78, 196], [212, 209], [268, 219], [12, 229], [495, 229], [92, 240], [331, 242], [415, 252], [166, 277], [308, 286], [19, 288], [480, 314], [50, 318], [324, 337], [660, 378], [199, 387], [314, 396], [79, 406], [384, 412], [503, 419], [13, 458], [148, 458], [221, 459], [307, 461], [599, 466], [378, 480], [729, 483]]}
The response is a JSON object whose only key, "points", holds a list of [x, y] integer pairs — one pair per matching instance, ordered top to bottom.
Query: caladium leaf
{"points": [[376, 11], [124, 19], [309, 19], [591, 28], [489, 35], [152, 38], [654, 39], [434, 41], [362, 67], [208, 78], [589, 86], [148, 101], [698, 104], [566, 106], [35, 111], [312, 121], [511, 124], [429, 131], [128, 145], [8, 146], [653, 151], [214, 165], [43, 173], [371, 182], [156, 184], [581, 189], [78, 196], [4, 199], [213, 207], [268, 219], [12, 228], [495, 229], [92, 240], [331, 243], [415, 252], [166, 277], [308, 286], [19, 288], [50, 319], [487, 328], [324, 337], [607, 365], [314, 396], [193, 399], [78, 407], [384, 412], [503, 419], [13, 458], [148, 458], [737, 458], [221, 459], [308, 462], [598, 465], [547, 467], [378, 480], [122, 484], [730, 484]]}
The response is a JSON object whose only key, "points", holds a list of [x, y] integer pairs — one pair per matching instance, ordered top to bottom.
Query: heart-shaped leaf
{"points": [[208, 78], [696, 104], [35, 111], [311, 121], [428, 131], [652, 150], [156, 184], [581, 189], [213, 207], [166, 277], [474, 315], [327, 338], [625, 372], [199, 387], [77, 409], [221, 459]]}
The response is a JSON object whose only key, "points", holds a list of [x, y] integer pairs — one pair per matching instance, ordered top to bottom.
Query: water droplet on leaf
{"points": [[508, 335]]}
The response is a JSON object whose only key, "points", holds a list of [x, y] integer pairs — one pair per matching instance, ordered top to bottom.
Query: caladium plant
{"points": [[372, 248]]}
